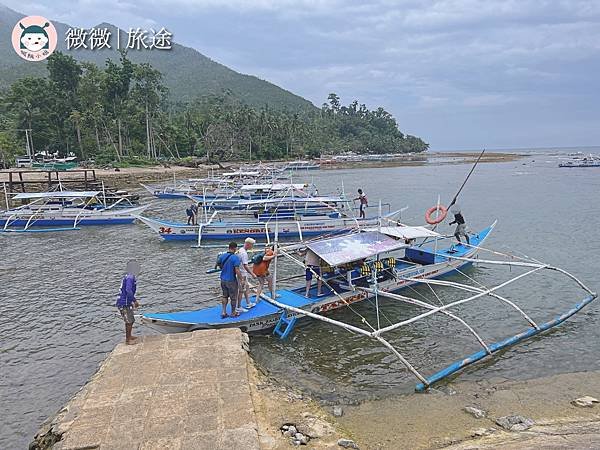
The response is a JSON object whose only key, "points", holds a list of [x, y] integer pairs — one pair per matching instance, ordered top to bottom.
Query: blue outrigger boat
{"points": [[418, 261], [366, 265]]}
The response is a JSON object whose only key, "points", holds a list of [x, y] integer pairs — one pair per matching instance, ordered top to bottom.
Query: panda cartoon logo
{"points": [[34, 38]]}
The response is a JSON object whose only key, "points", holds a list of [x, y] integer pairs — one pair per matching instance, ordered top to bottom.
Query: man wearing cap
{"points": [[245, 272]]}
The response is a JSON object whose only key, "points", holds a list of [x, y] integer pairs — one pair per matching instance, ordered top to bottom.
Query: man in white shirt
{"points": [[244, 287]]}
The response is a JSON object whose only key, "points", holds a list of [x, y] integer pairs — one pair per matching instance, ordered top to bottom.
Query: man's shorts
{"points": [[461, 229], [310, 270], [266, 277], [243, 284], [230, 289], [127, 315]]}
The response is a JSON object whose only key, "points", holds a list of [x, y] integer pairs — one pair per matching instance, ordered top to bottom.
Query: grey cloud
{"points": [[461, 73]]}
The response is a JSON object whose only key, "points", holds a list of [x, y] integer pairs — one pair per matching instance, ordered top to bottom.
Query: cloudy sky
{"points": [[462, 74]]}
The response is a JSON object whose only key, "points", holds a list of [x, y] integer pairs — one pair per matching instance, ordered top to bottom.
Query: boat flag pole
{"points": [[466, 179], [460, 189]]}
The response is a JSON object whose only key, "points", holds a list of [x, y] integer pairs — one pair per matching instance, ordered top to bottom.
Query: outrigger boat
{"points": [[65, 210], [297, 227], [349, 264], [367, 266]]}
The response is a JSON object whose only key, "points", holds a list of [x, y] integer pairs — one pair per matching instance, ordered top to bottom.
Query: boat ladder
{"points": [[285, 325]]}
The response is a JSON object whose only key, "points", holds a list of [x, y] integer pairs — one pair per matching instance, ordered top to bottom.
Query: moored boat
{"points": [[64, 210], [348, 266]]}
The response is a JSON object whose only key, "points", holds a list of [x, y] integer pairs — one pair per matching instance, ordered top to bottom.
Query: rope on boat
{"points": [[296, 261], [521, 264], [466, 287], [458, 302], [429, 306]]}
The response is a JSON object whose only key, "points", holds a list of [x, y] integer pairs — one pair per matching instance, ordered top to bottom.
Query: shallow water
{"points": [[57, 292]]}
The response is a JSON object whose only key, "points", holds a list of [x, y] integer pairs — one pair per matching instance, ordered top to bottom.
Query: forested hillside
{"points": [[122, 111]]}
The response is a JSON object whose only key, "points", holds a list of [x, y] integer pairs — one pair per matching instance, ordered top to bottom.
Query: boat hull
{"points": [[68, 217], [69, 222], [173, 231]]}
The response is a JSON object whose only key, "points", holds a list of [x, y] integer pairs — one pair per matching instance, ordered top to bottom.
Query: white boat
{"points": [[64, 210], [299, 227]]}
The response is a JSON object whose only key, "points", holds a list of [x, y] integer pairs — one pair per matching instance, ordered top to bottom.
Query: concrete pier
{"points": [[179, 391]]}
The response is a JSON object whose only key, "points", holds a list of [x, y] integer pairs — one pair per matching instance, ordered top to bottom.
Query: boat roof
{"points": [[241, 172], [272, 187], [56, 194], [275, 201], [406, 232], [354, 247]]}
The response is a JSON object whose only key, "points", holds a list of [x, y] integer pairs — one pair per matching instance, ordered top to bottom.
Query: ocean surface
{"points": [[57, 291]]}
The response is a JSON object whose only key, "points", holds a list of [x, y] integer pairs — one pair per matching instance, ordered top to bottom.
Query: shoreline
{"points": [[135, 175]]}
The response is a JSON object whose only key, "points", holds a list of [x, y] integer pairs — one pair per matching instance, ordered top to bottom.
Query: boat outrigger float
{"points": [[379, 263]]}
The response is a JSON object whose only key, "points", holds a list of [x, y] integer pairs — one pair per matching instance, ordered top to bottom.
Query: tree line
{"points": [[122, 111]]}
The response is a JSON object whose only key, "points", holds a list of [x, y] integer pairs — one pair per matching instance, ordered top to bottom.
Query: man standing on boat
{"points": [[362, 198], [192, 212], [461, 226], [261, 271], [230, 274], [244, 286], [126, 300]]}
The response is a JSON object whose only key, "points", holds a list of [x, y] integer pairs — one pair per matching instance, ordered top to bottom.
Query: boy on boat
{"points": [[362, 198], [461, 226], [261, 271], [230, 274], [244, 285], [126, 300]]}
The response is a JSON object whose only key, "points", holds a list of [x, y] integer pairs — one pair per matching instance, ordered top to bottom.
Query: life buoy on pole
{"points": [[442, 212]]}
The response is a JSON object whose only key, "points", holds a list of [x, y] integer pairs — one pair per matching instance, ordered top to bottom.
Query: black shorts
{"points": [[310, 270], [230, 289]]}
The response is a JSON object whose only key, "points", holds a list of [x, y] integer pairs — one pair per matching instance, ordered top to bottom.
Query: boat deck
{"points": [[212, 315]]}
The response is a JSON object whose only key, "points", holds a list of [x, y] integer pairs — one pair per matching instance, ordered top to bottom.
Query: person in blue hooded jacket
{"points": [[127, 301]]}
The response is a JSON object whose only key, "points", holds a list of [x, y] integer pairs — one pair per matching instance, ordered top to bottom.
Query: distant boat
{"points": [[588, 161], [302, 165]]}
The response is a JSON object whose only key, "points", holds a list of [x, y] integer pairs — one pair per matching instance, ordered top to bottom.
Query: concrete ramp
{"points": [[177, 391]]}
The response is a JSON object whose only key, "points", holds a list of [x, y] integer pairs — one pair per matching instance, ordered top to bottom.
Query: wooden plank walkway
{"points": [[178, 391]]}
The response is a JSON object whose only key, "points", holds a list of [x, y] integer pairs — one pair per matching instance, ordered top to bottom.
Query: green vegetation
{"points": [[122, 113]]}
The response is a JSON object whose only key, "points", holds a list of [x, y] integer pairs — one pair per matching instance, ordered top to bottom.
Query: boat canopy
{"points": [[241, 173], [272, 187], [56, 194], [275, 201], [406, 232], [354, 247]]}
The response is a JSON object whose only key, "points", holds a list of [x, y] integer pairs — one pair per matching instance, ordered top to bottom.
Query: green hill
{"points": [[188, 73]]}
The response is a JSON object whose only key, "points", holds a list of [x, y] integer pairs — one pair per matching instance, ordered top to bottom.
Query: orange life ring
{"points": [[442, 213]]}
